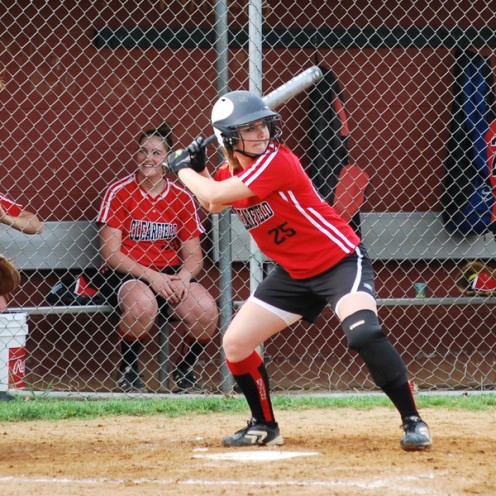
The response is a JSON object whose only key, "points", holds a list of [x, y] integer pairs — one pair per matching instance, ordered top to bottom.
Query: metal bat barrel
{"points": [[294, 86], [287, 91]]}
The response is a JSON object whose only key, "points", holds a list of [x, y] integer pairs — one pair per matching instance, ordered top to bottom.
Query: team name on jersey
{"points": [[255, 215], [142, 230]]}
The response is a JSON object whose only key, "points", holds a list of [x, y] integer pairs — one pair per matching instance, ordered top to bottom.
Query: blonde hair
{"points": [[231, 159]]}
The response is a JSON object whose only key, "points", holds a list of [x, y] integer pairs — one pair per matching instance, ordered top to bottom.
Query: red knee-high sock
{"points": [[251, 376]]}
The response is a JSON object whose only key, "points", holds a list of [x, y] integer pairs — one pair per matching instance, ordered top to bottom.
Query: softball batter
{"points": [[320, 261]]}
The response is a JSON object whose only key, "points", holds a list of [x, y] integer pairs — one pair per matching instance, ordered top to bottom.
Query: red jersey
{"points": [[10, 207], [287, 218], [153, 229]]}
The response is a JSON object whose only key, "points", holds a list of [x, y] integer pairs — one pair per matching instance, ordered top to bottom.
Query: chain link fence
{"points": [[80, 82]]}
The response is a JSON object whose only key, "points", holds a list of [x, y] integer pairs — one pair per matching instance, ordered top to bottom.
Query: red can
{"points": [[17, 367]]}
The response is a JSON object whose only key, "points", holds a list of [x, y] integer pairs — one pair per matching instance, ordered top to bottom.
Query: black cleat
{"points": [[129, 381], [186, 381], [255, 434], [417, 436]]}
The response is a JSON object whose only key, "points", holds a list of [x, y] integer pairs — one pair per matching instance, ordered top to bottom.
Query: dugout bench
{"points": [[393, 236], [70, 245]]}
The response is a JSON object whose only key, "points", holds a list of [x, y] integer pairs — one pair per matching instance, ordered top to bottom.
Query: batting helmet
{"points": [[239, 108]]}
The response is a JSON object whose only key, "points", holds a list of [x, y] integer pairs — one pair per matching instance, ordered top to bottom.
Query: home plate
{"points": [[257, 455]]}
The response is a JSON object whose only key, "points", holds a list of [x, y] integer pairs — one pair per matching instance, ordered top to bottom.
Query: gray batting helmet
{"points": [[236, 109]]}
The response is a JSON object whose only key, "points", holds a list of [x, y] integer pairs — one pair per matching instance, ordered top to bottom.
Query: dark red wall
{"points": [[71, 112]]}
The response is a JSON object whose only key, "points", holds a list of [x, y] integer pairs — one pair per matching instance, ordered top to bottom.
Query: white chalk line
{"points": [[372, 484]]}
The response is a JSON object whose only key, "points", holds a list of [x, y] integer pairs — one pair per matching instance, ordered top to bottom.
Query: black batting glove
{"points": [[198, 154], [177, 160]]}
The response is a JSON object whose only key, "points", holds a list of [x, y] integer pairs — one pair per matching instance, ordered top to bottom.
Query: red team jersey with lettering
{"points": [[10, 207], [287, 218], [153, 229]]}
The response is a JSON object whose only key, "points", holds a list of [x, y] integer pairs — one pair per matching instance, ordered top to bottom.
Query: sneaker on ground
{"points": [[129, 381], [186, 381], [255, 434], [417, 436]]}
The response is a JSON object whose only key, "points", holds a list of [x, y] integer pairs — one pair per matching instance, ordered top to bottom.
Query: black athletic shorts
{"points": [[111, 281], [308, 297]]}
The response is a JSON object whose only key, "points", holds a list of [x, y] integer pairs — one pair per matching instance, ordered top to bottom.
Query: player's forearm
{"points": [[203, 187], [215, 196], [210, 207], [27, 223], [191, 259], [191, 267]]}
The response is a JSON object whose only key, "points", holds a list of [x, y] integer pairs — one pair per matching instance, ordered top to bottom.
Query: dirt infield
{"points": [[335, 452]]}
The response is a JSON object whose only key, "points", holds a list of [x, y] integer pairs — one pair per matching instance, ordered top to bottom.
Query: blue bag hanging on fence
{"points": [[468, 198]]}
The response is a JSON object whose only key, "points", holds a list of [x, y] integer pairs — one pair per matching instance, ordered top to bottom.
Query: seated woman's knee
{"points": [[138, 300], [201, 319], [210, 319]]}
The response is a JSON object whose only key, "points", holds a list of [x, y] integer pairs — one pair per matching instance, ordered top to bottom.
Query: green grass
{"points": [[44, 408]]}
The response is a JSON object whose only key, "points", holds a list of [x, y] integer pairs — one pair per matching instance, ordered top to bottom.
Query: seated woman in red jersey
{"points": [[14, 215], [150, 245], [320, 261]]}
